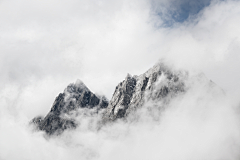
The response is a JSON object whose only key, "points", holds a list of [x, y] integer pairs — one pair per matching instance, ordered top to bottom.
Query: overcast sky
{"points": [[47, 44]]}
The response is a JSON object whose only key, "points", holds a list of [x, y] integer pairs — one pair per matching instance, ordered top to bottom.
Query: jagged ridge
{"points": [[159, 83], [156, 84]]}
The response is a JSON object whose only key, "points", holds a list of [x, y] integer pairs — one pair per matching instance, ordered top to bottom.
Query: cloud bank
{"points": [[45, 45], [200, 124]]}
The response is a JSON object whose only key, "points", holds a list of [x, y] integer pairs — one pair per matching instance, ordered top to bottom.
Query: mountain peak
{"points": [[158, 82], [80, 84], [77, 87], [75, 96]]}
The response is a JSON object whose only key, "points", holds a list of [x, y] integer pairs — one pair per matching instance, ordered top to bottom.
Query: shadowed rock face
{"points": [[74, 96]]}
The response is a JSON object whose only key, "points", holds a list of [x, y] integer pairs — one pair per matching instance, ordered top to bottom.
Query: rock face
{"points": [[158, 83], [74, 96]]}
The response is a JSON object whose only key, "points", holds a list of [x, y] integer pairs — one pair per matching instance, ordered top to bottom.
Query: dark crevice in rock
{"points": [[145, 81]]}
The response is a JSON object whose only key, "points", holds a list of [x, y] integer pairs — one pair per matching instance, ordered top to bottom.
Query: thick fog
{"points": [[47, 44]]}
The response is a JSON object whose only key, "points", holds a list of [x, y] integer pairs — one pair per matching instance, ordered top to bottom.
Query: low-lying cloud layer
{"points": [[45, 45], [199, 124]]}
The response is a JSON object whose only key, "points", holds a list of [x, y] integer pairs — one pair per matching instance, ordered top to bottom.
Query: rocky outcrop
{"points": [[158, 83], [74, 96]]}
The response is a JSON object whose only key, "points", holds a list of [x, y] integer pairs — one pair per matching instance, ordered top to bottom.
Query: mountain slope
{"points": [[158, 83], [74, 96]]}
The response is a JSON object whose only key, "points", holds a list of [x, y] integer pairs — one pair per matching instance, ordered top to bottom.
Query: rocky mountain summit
{"points": [[159, 83], [75, 96]]}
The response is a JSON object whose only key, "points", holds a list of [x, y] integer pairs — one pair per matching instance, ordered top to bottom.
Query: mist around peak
{"points": [[47, 44], [199, 123]]}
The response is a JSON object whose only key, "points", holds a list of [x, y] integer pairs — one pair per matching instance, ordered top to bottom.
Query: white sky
{"points": [[47, 44]]}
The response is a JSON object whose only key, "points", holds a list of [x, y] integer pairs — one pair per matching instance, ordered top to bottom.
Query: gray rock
{"points": [[158, 83], [74, 96], [36, 121]]}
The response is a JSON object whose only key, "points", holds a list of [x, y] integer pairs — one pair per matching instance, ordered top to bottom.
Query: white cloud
{"points": [[45, 45], [201, 124]]}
